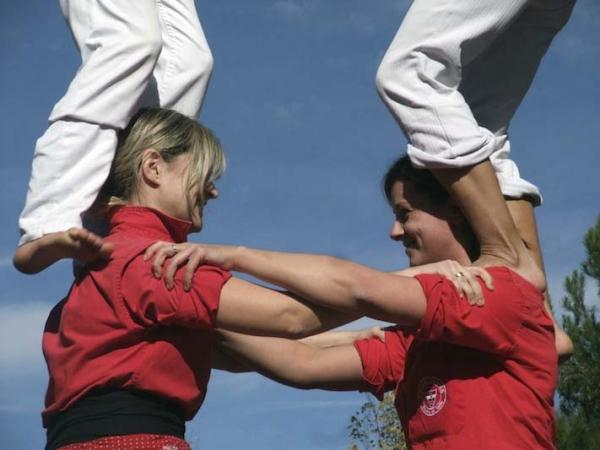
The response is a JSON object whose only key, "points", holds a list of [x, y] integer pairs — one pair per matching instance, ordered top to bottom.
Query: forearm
{"points": [[316, 277], [336, 283], [342, 337], [276, 358], [295, 363]]}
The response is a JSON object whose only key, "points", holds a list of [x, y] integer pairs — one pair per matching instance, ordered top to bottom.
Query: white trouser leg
{"points": [[120, 42], [440, 53], [185, 63], [420, 74], [494, 97], [71, 162]]}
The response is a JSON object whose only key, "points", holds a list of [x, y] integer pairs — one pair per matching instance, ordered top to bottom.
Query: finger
{"points": [[88, 241], [95, 241], [106, 249], [152, 249], [165, 251], [176, 262], [193, 263], [474, 273], [457, 276], [486, 277], [459, 288], [468, 290], [477, 291], [379, 334]]}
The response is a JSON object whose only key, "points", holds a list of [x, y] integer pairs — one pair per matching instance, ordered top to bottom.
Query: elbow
{"points": [[301, 320], [298, 323], [564, 345]]}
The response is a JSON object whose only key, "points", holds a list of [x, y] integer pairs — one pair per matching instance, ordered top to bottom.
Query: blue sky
{"points": [[292, 99]]}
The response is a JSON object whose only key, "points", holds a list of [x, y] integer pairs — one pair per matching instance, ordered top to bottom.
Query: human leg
{"points": [[119, 44], [185, 63], [446, 63], [421, 72], [495, 83], [494, 99]]}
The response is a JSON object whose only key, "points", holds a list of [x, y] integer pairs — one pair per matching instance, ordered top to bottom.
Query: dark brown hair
{"points": [[423, 179]]}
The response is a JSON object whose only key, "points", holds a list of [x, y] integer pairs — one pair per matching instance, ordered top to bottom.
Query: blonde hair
{"points": [[171, 134]]}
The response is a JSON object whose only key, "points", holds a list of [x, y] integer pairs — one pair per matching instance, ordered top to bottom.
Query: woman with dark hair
{"points": [[464, 377]]}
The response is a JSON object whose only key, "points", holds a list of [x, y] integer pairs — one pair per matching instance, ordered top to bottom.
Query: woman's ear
{"points": [[152, 167]]}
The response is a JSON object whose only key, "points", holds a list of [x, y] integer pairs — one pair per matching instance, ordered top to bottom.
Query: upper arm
{"points": [[391, 298], [150, 303], [491, 328], [333, 368]]}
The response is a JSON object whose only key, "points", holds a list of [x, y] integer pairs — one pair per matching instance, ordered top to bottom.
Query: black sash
{"points": [[114, 412]]}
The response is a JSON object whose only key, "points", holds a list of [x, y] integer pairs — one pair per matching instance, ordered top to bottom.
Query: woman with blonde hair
{"points": [[129, 360]]}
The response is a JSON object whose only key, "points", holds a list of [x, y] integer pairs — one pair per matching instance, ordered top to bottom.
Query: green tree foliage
{"points": [[579, 383], [375, 426]]}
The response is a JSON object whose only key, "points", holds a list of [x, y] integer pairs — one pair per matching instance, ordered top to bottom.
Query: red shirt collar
{"points": [[149, 223]]}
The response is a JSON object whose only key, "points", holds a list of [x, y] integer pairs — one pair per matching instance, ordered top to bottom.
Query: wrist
{"points": [[234, 258], [408, 272]]}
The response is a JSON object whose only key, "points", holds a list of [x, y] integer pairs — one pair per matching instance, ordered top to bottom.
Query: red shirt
{"points": [[120, 327], [470, 377]]}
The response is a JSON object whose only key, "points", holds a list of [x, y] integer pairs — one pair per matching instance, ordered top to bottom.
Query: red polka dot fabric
{"points": [[131, 442]]}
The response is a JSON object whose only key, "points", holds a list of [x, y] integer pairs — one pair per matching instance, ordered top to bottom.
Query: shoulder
{"points": [[510, 288]]}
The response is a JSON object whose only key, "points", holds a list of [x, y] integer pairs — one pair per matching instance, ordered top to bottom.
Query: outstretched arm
{"points": [[331, 282], [218, 300], [228, 362], [295, 363]]}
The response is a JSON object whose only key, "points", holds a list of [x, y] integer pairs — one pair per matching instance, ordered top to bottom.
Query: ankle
{"points": [[23, 259]]}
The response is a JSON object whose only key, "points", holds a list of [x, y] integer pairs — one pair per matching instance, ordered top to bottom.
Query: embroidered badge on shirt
{"points": [[433, 392]]}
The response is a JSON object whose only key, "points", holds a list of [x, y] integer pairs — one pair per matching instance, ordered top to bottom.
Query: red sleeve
{"points": [[150, 303], [491, 328], [383, 362]]}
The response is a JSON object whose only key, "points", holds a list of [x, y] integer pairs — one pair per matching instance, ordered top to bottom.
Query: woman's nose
{"points": [[397, 231]]}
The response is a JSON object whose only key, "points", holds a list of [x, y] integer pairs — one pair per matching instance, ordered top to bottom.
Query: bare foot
{"points": [[76, 243]]}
